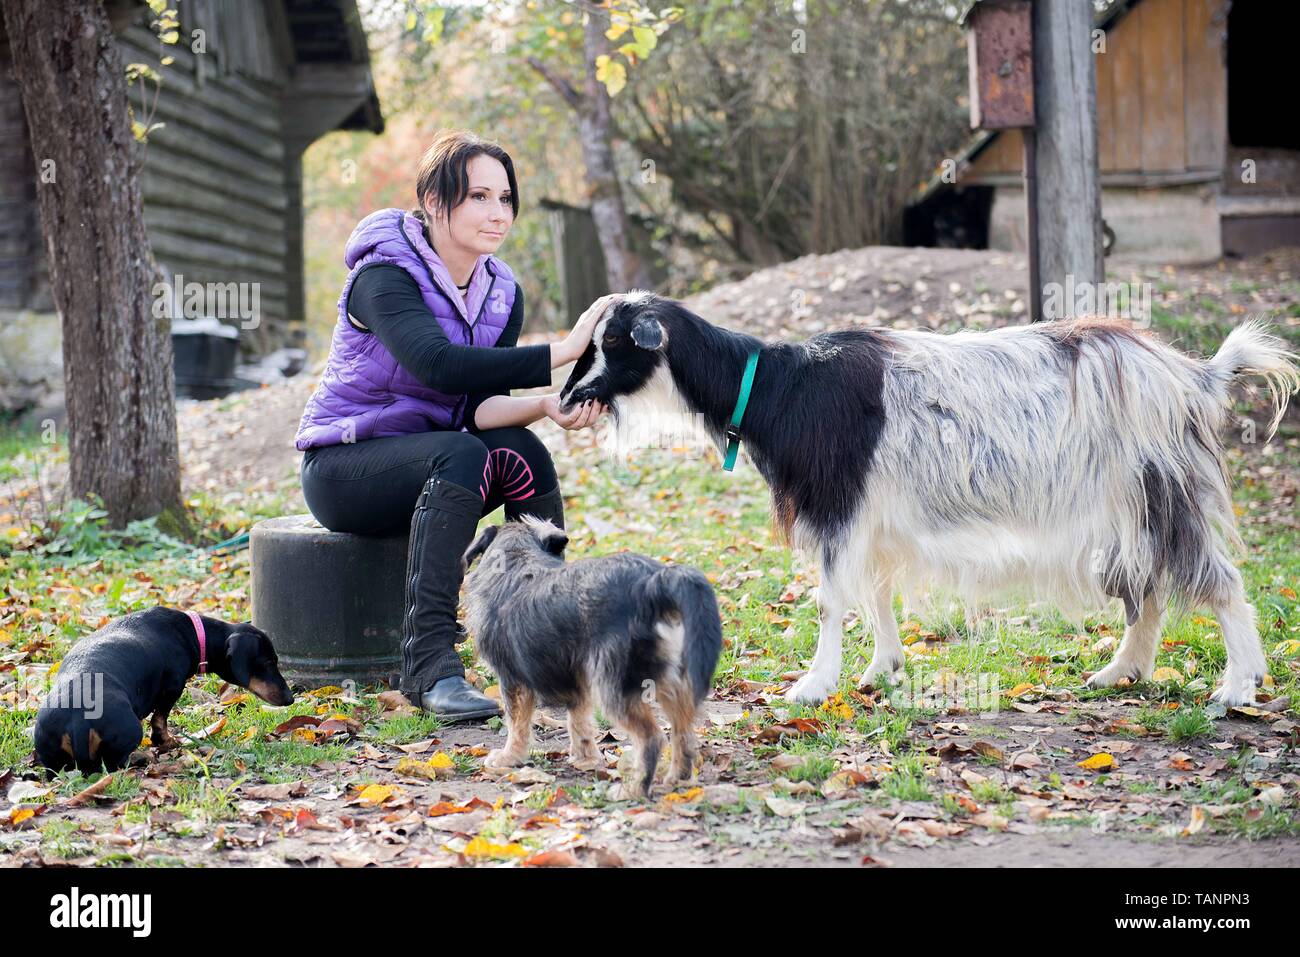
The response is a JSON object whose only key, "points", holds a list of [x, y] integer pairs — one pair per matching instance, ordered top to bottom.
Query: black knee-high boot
{"points": [[549, 506], [433, 677]]}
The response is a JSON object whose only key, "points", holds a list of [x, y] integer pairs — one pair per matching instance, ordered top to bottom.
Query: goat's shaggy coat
{"points": [[1079, 461], [622, 631]]}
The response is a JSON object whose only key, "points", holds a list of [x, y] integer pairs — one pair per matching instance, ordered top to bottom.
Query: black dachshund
{"points": [[136, 666]]}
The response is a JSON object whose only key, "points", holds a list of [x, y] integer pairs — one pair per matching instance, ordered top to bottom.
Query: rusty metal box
{"points": [[999, 43]]}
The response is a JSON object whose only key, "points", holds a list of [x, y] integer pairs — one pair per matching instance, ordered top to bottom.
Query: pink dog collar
{"points": [[203, 641]]}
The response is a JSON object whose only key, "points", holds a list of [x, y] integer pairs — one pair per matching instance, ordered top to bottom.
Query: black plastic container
{"points": [[205, 354]]}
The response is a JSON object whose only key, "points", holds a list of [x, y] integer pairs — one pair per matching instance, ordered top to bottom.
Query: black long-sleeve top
{"points": [[387, 302]]}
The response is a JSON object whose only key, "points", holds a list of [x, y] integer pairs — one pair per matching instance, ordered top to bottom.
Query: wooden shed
{"points": [[252, 86], [1198, 142]]}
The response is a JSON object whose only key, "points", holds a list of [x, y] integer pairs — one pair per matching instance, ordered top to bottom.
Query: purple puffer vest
{"points": [[364, 393]]}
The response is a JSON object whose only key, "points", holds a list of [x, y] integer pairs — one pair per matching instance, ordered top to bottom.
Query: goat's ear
{"points": [[648, 333], [480, 545]]}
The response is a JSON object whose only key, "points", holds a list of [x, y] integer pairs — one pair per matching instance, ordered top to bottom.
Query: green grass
{"points": [[18, 447], [1189, 724], [405, 728], [15, 735], [815, 769], [907, 781], [990, 792], [202, 800], [1258, 823], [65, 838]]}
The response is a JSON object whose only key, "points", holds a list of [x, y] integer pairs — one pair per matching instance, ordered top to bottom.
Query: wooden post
{"points": [[1062, 179]]}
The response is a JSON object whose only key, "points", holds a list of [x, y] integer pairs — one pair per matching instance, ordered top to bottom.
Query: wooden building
{"points": [[253, 84], [1198, 140]]}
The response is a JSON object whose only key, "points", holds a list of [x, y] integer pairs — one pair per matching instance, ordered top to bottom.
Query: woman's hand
{"points": [[579, 337], [580, 417]]}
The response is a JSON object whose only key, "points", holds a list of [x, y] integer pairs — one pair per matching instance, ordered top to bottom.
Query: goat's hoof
{"points": [[876, 671], [1114, 673], [812, 688], [1237, 691]]}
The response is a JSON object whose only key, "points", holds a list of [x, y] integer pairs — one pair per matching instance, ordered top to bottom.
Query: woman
{"points": [[412, 423]]}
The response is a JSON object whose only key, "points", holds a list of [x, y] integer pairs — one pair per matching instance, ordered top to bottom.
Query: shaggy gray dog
{"points": [[623, 631]]}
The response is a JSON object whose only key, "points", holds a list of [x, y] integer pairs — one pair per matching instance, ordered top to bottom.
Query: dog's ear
{"points": [[648, 333], [550, 536], [554, 541], [480, 545], [241, 651]]}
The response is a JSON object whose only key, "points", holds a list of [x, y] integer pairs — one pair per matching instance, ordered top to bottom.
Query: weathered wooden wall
{"points": [[1162, 95], [222, 177], [214, 178], [24, 280]]}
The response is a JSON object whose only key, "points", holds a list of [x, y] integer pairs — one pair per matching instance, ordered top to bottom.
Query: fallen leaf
{"points": [[393, 700], [296, 722], [794, 727], [208, 732], [419, 747], [1023, 760], [1181, 761], [787, 762], [1098, 762], [438, 766], [527, 775], [844, 781], [26, 791], [274, 792], [89, 793], [376, 793], [684, 797], [784, 807], [443, 808], [482, 847], [601, 856], [552, 859]]}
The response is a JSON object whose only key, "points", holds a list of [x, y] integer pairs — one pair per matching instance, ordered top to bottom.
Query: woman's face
{"points": [[480, 223]]}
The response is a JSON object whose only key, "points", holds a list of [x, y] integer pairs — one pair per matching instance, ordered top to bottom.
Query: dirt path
{"points": [[737, 816]]}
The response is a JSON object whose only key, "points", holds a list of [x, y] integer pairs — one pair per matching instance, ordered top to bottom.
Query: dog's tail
{"points": [[1250, 348], [683, 611]]}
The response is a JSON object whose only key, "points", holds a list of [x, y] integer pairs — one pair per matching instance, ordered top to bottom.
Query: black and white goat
{"points": [[1078, 460]]}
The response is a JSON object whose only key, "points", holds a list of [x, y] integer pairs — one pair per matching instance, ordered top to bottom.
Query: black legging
{"points": [[438, 485], [371, 487]]}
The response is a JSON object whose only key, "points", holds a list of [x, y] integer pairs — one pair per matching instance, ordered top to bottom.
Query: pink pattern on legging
{"points": [[507, 467]]}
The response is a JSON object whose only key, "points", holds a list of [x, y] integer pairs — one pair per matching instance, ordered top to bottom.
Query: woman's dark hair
{"points": [[444, 171]]}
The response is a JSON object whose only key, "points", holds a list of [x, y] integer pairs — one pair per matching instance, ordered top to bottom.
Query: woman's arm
{"points": [[385, 300], [499, 411]]}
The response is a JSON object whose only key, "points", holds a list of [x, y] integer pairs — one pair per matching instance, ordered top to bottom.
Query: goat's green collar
{"points": [[733, 430]]}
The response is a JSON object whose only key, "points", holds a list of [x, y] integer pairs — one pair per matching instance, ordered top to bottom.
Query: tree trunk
{"points": [[622, 265], [117, 358]]}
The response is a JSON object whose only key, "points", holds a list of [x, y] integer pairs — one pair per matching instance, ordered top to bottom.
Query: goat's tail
{"points": [[1250, 348], [681, 597]]}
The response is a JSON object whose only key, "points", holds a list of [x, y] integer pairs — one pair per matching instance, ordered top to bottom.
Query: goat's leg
{"points": [[887, 656], [1136, 658], [1247, 665], [824, 676]]}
